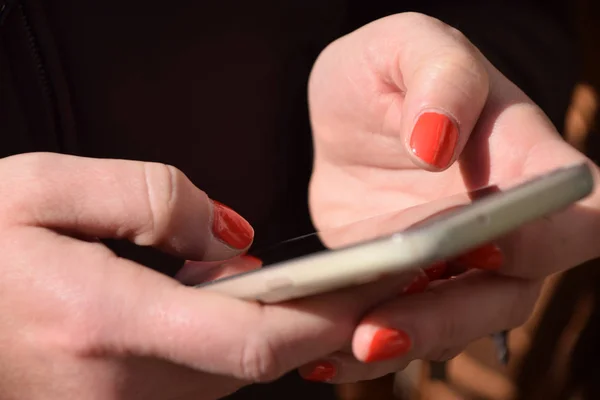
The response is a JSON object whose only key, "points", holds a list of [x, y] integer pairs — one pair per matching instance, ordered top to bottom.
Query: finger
{"points": [[430, 85], [446, 85], [148, 203], [390, 223], [557, 242], [487, 257], [197, 272], [418, 284], [446, 316], [160, 318], [345, 368]]}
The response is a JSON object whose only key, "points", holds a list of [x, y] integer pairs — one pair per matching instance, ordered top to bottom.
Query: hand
{"points": [[406, 111], [78, 322]]}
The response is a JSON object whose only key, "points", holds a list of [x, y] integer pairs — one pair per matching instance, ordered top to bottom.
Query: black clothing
{"points": [[218, 89]]}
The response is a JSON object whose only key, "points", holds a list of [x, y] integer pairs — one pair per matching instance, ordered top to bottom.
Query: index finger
{"points": [[151, 204]]}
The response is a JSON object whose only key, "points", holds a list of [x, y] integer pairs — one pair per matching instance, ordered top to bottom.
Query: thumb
{"points": [[446, 85], [403, 91], [150, 204], [158, 317]]}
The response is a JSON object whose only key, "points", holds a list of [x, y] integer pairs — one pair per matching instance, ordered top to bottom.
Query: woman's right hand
{"points": [[78, 322]]}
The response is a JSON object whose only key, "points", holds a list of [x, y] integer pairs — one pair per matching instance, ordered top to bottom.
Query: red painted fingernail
{"points": [[434, 139], [229, 227], [488, 257], [251, 259], [436, 271], [418, 285], [388, 343], [321, 372]]}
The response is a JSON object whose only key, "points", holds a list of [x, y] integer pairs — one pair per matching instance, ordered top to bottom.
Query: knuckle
{"points": [[420, 19], [432, 24], [458, 36], [461, 40], [458, 60], [465, 67], [161, 183], [77, 321], [443, 329], [78, 337], [259, 362]]}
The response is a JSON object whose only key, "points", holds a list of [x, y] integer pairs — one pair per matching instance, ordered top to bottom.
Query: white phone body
{"points": [[439, 238]]}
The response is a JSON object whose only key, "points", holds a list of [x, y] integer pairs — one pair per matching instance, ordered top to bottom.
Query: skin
{"points": [[387, 73], [76, 321], [79, 322]]}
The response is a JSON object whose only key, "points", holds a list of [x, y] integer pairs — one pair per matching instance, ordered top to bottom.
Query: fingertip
{"points": [[230, 227], [232, 235], [252, 259], [361, 341], [373, 343], [388, 343], [319, 371]]}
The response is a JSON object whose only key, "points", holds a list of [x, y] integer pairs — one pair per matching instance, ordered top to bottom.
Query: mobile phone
{"points": [[441, 237]]}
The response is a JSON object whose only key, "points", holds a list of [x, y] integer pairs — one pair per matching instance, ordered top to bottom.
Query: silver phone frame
{"points": [[437, 239]]}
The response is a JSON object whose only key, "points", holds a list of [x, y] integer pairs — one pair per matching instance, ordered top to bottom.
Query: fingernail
{"points": [[434, 139], [229, 227], [488, 257], [251, 259], [436, 271], [418, 285], [388, 343], [322, 371]]}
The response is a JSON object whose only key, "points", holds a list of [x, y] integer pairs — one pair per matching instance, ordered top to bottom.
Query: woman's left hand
{"points": [[406, 111]]}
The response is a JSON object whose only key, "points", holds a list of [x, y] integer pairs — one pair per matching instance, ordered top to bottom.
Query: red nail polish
{"points": [[434, 139], [229, 227], [488, 257], [251, 259], [436, 271], [418, 285], [388, 343], [321, 372]]}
